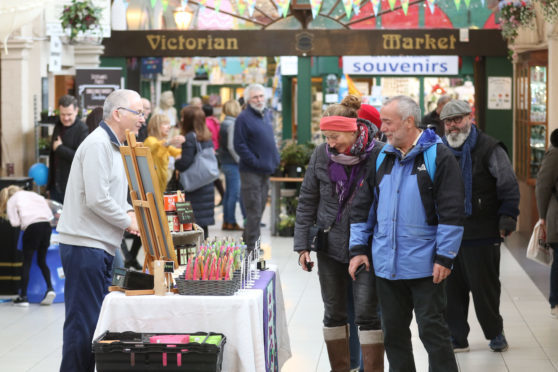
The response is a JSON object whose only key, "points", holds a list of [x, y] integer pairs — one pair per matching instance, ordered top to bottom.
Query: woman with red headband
{"points": [[333, 177]]}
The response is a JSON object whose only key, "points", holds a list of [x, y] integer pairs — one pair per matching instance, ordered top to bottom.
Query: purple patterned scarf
{"points": [[359, 151]]}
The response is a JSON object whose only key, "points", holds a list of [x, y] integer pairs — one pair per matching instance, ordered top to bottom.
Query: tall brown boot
{"points": [[337, 343], [372, 346]]}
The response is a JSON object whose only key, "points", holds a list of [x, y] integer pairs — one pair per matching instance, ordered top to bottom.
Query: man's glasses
{"points": [[138, 113], [456, 120]]}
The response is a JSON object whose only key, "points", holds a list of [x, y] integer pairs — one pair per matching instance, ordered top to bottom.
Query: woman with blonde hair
{"points": [[194, 129], [157, 132], [229, 165], [30, 212]]}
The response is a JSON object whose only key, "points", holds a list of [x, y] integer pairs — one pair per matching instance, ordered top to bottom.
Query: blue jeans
{"points": [[232, 192], [87, 271], [553, 299]]}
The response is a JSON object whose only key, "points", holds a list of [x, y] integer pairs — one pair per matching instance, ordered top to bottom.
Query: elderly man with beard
{"points": [[254, 143], [491, 208]]}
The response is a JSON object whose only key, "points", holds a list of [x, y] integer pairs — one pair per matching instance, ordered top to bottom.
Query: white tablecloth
{"points": [[238, 317]]}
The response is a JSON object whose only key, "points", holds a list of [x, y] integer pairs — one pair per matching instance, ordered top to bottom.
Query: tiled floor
{"points": [[32, 337]]}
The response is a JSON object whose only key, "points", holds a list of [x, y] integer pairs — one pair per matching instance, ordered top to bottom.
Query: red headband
{"points": [[338, 124]]}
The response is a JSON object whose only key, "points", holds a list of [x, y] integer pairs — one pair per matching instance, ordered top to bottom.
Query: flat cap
{"points": [[453, 108]]}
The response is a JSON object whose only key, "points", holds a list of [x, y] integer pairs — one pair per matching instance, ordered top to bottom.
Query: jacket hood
{"points": [[427, 139]]}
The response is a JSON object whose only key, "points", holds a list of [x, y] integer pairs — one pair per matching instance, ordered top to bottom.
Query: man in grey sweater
{"points": [[95, 215]]}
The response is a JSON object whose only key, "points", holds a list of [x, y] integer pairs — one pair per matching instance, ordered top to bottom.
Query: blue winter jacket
{"points": [[254, 142], [413, 220]]}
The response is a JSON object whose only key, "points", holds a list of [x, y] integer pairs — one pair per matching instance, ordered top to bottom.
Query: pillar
{"points": [[304, 100]]}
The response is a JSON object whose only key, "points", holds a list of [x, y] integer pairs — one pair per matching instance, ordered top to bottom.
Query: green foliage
{"points": [[549, 10], [80, 16], [43, 143], [296, 154], [286, 221]]}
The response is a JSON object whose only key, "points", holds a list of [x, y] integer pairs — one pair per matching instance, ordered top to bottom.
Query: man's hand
{"points": [[57, 142], [133, 228], [304, 259], [356, 261], [440, 273]]}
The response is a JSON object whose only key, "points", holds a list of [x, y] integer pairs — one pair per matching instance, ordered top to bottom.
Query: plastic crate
{"points": [[130, 351]]}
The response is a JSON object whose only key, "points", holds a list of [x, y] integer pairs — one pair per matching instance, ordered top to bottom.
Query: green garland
{"points": [[80, 16]]}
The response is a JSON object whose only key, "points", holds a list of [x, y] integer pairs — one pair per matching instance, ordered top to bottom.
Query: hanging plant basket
{"points": [[549, 10], [513, 15], [81, 20]]}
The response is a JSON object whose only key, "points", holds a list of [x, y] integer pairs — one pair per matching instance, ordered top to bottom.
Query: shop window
{"points": [[531, 91]]}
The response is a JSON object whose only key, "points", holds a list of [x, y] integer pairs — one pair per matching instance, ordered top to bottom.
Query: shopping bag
{"points": [[204, 170], [538, 250]]}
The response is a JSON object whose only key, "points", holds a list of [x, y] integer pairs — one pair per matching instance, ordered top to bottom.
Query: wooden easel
{"points": [[147, 201]]}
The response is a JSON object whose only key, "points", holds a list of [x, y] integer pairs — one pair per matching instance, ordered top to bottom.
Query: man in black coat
{"points": [[432, 119], [69, 132], [491, 209]]}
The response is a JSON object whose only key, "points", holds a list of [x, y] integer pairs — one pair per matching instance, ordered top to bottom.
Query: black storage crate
{"points": [[130, 279], [130, 351]]}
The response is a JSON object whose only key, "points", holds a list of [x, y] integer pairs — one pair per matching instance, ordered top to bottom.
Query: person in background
{"points": [[197, 102], [370, 113], [94, 118], [432, 119], [214, 126], [193, 128], [158, 130], [69, 132], [142, 134], [254, 142], [229, 165], [332, 180], [547, 204], [491, 210], [31, 212], [410, 213], [95, 216]]}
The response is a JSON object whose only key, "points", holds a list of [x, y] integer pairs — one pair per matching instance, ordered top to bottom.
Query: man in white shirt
{"points": [[95, 215]]}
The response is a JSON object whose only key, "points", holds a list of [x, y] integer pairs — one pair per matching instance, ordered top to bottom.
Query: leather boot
{"points": [[337, 343], [372, 346]]}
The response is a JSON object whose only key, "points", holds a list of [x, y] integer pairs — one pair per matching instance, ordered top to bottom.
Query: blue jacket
{"points": [[254, 142], [413, 221]]}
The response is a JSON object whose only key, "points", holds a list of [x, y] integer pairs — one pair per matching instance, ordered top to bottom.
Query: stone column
{"points": [[88, 55], [18, 135]]}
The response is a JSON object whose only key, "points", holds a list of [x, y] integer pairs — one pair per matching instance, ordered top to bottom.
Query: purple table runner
{"points": [[266, 283]]}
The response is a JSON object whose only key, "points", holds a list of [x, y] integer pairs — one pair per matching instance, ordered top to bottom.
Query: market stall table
{"points": [[253, 321]]}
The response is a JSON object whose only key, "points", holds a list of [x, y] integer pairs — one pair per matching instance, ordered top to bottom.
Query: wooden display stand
{"points": [[147, 201]]}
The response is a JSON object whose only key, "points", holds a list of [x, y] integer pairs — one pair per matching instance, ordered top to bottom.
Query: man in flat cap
{"points": [[491, 209]]}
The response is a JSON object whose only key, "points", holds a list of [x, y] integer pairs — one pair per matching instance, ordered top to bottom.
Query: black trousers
{"points": [[35, 238], [476, 269], [398, 298]]}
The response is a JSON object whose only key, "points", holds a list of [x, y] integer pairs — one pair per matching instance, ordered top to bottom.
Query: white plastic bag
{"points": [[538, 250]]}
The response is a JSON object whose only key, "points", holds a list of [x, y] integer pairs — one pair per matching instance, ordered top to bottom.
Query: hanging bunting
{"points": [[153, 2], [482, 2], [202, 3], [457, 3], [467, 3], [165, 4], [347, 4], [376, 4], [391, 4], [217, 5], [241, 5], [251, 5], [431, 5], [283, 6], [315, 6], [356, 6], [405, 6]]}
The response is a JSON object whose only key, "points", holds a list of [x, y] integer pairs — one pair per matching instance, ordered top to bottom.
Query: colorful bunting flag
{"points": [[153, 2], [482, 2], [457, 3], [467, 3], [165, 4], [348, 4], [376, 4], [391, 4], [217, 5], [241, 5], [431, 5], [251, 6], [283, 6], [315, 6], [356, 6], [405, 6]]}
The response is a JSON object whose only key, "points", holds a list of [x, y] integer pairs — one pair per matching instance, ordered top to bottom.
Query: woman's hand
{"points": [[305, 261], [355, 262]]}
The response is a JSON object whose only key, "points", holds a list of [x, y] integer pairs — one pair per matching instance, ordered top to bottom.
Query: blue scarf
{"points": [[466, 164]]}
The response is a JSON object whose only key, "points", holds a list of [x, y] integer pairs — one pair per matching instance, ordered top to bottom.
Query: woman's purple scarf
{"points": [[337, 162]]}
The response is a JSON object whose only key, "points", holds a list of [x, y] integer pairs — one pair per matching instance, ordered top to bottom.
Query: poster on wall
{"points": [[95, 84], [499, 93]]}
